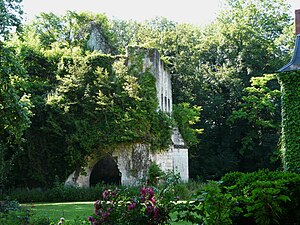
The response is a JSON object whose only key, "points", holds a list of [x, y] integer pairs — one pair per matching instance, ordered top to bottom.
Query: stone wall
{"points": [[97, 41], [152, 61], [176, 158], [133, 160]]}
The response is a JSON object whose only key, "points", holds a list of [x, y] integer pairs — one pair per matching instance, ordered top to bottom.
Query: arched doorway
{"points": [[106, 171]]}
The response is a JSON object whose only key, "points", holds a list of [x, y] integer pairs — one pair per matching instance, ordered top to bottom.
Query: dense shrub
{"points": [[154, 174], [171, 181], [168, 185], [60, 193], [267, 197], [263, 198], [210, 206], [121, 208], [11, 213]]}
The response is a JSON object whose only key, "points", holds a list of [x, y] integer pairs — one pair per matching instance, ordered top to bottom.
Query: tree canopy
{"points": [[76, 101]]}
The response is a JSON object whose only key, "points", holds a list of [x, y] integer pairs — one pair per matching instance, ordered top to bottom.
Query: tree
{"points": [[10, 17], [70, 30], [244, 46], [212, 66], [14, 102], [83, 103], [99, 103], [15, 110], [186, 116], [258, 121]]}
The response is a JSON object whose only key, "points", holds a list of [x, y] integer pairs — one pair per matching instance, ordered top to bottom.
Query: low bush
{"points": [[171, 181], [60, 193], [266, 197], [262, 198], [8, 205], [210, 206], [119, 208], [11, 213]]}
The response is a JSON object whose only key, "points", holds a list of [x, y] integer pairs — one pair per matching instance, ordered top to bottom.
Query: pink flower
{"points": [[143, 191], [147, 191], [150, 192], [105, 194], [114, 194], [152, 200], [131, 206], [97, 207], [149, 209], [104, 215], [155, 216], [91, 219]]}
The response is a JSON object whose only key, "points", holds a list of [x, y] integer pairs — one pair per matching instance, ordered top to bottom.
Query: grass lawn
{"points": [[70, 211]]}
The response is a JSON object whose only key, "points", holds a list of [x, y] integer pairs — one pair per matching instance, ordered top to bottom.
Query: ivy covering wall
{"points": [[290, 89], [76, 103]]}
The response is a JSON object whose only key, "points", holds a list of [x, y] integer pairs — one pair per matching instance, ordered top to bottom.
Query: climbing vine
{"points": [[290, 87], [83, 102], [100, 103]]}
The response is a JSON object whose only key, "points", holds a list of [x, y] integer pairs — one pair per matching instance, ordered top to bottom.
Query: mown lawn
{"points": [[71, 211]]}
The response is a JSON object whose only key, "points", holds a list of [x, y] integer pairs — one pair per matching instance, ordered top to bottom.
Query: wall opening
{"points": [[166, 104], [105, 171]]}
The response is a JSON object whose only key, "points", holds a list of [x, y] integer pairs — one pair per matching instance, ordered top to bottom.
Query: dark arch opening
{"points": [[105, 171]]}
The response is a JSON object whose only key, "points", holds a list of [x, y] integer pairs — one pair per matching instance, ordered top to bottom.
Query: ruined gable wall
{"points": [[97, 41], [176, 158], [133, 160]]}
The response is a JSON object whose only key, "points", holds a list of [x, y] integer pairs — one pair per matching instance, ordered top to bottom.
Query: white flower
{"points": [[61, 221]]}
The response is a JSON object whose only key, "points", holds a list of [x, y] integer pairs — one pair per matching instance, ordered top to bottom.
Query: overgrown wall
{"points": [[290, 94]]}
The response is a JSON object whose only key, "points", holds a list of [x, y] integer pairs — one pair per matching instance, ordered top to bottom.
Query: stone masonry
{"points": [[133, 160]]}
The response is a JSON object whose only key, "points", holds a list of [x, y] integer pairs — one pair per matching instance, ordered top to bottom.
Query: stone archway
{"points": [[105, 170]]}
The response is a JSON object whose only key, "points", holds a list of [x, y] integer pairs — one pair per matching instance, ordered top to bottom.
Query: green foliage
{"points": [[10, 17], [70, 30], [124, 32], [238, 46], [210, 68], [261, 98], [82, 103], [14, 104], [101, 109], [15, 111], [186, 116], [258, 120], [290, 148], [46, 159], [154, 174], [170, 185], [61, 193], [262, 197], [265, 197], [264, 203], [8, 205], [211, 207], [120, 208], [12, 214], [15, 217], [41, 221]]}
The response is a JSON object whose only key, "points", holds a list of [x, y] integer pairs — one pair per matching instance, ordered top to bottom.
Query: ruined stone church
{"points": [[127, 165]]}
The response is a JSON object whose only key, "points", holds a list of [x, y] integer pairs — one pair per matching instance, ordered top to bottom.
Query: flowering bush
{"points": [[117, 208]]}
